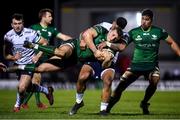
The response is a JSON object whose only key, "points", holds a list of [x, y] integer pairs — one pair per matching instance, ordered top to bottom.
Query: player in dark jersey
{"points": [[145, 59]]}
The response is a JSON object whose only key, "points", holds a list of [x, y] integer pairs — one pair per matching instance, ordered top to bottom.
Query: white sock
{"points": [[36, 46], [79, 97], [17, 101], [103, 106]]}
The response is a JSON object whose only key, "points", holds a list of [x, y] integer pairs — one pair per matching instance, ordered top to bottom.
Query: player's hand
{"points": [[83, 45], [102, 45], [98, 55], [17, 56], [108, 56], [35, 58], [3, 67]]}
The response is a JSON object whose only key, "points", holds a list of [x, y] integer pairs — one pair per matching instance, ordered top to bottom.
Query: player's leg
{"points": [[62, 51], [48, 66], [84, 74], [107, 76], [153, 78], [24, 80], [37, 80], [125, 80], [48, 91], [26, 99], [17, 104]]}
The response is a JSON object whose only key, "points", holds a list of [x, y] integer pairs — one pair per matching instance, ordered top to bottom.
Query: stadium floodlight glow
{"points": [[138, 18]]}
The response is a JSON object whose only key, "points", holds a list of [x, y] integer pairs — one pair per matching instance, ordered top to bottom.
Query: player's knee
{"points": [[83, 77], [154, 80], [107, 82], [21, 88]]}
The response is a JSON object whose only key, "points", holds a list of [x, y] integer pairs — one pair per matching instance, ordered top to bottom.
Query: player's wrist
{"points": [[108, 44]]}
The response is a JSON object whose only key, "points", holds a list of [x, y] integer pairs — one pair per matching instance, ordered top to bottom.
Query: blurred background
{"points": [[73, 16]]}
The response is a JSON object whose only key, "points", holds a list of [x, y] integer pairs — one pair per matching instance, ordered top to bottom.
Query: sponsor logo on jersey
{"points": [[49, 34], [146, 34], [154, 37], [138, 38]]}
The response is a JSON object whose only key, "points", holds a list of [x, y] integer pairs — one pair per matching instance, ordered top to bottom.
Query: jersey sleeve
{"points": [[106, 25], [100, 30], [55, 31], [164, 34], [35, 36], [6, 37], [125, 37], [130, 39]]}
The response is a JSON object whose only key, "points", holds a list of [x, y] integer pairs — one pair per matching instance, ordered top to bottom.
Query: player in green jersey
{"points": [[49, 32], [145, 59], [94, 70]]}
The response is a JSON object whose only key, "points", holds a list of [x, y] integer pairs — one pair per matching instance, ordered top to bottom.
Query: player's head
{"points": [[148, 12], [46, 15], [147, 18], [17, 22], [121, 22], [114, 34]]}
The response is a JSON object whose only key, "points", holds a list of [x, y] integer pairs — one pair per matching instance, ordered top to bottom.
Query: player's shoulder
{"points": [[106, 25], [100, 29], [29, 31], [10, 33]]}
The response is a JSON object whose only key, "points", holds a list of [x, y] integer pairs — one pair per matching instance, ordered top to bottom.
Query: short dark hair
{"points": [[43, 12], [148, 12], [17, 16], [121, 22], [119, 30]]}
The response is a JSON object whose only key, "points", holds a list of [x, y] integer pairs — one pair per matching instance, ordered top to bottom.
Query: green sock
{"points": [[46, 49], [37, 96], [27, 97]]}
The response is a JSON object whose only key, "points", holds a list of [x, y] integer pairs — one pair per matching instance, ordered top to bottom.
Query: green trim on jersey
{"points": [[48, 32], [146, 46]]}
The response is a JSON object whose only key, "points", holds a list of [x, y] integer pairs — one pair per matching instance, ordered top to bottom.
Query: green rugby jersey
{"points": [[48, 33], [147, 43], [87, 53]]}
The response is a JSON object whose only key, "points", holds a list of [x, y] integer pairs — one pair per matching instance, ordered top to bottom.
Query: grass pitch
{"points": [[164, 105]]}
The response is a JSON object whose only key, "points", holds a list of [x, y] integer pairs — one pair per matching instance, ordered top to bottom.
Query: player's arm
{"points": [[63, 36], [88, 36], [42, 41], [173, 44], [114, 46], [117, 46], [7, 53], [2, 67]]}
